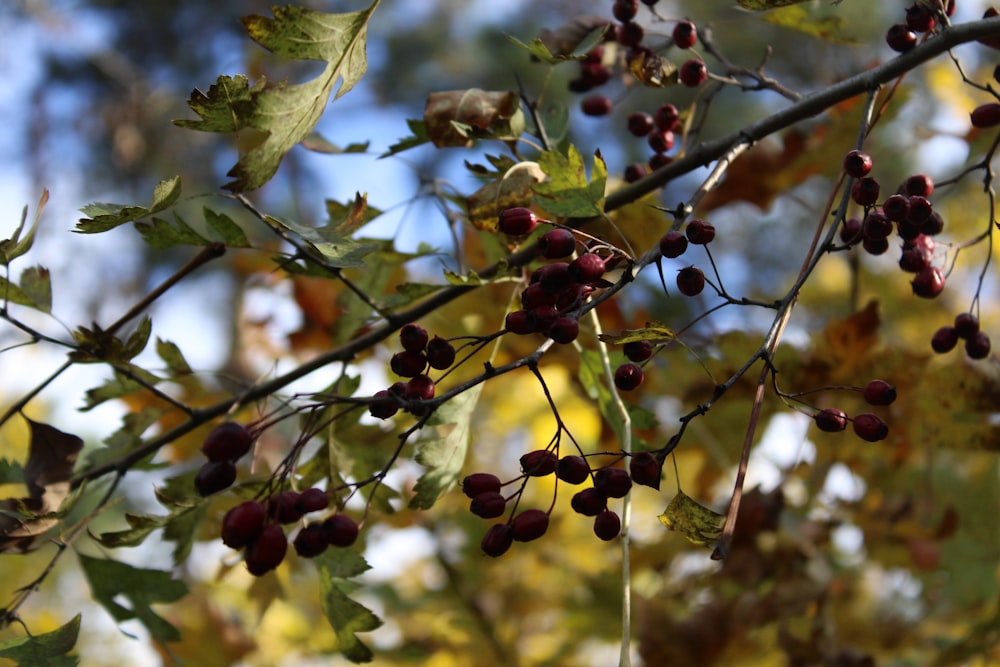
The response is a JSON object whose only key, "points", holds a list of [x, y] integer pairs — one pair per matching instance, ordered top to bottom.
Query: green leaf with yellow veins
{"points": [[277, 118], [567, 192], [654, 332], [697, 523]]}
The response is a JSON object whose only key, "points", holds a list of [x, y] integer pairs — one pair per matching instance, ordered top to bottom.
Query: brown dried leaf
{"points": [[566, 38], [457, 117], [513, 189], [51, 457]]}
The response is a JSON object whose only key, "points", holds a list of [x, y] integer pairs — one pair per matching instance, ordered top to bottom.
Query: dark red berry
{"points": [[625, 10], [919, 18], [630, 34], [685, 34], [900, 38], [693, 73], [594, 75], [597, 105], [985, 115], [666, 117], [640, 123], [661, 141], [659, 160], [857, 164], [634, 172], [918, 185], [865, 191], [896, 207], [920, 209], [517, 221], [877, 225], [932, 225], [907, 230], [850, 231], [700, 232], [557, 243], [673, 244], [875, 245], [917, 254], [587, 268], [555, 277], [690, 281], [928, 283], [535, 295], [572, 297], [544, 316], [520, 322], [966, 325], [563, 330], [413, 337], [944, 340], [978, 347], [638, 350], [440, 353], [408, 364], [628, 376], [419, 388], [879, 392], [383, 405], [830, 420], [870, 427], [226, 442], [539, 463], [573, 469], [645, 469], [215, 476], [480, 482], [612, 482], [313, 500], [589, 502], [488, 505], [284, 508], [242, 524], [529, 525], [607, 525], [340, 530], [497, 540], [311, 541], [267, 551]]}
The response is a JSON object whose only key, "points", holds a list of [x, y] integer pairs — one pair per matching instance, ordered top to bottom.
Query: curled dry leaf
{"points": [[565, 39], [457, 117], [511, 190], [51, 457]]}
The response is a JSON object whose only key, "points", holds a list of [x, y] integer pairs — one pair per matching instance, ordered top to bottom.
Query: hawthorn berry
{"points": [[625, 10], [919, 18], [630, 34], [685, 34], [900, 38], [693, 73], [594, 75], [596, 105], [985, 115], [666, 117], [640, 123], [661, 141], [658, 160], [857, 164], [634, 172], [918, 185], [865, 191], [896, 207], [920, 209], [517, 221], [877, 225], [933, 225], [851, 230], [700, 232], [557, 243], [673, 244], [875, 245], [917, 254], [587, 268], [555, 277], [690, 281], [928, 283], [535, 295], [544, 316], [520, 322], [966, 325], [563, 330], [413, 337], [944, 340], [978, 346], [638, 350], [440, 353], [408, 364], [628, 376], [419, 388], [879, 392], [383, 405], [830, 420], [870, 427], [226, 442], [539, 463], [573, 469], [645, 469], [215, 476], [480, 482], [612, 482], [312, 500], [589, 502], [488, 505], [284, 507], [242, 524], [529, 525], [607, 525], [340, 530], [497, 540], [311, 541], [267, 551]]}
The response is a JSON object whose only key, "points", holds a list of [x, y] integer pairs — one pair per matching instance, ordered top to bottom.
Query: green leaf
{"points": [[764, 5], [828, 28], [540, 50], [282, 116], [418, 137], [319, 144], [567, 193], [103, 217], [349, 217], [225, 229], [158, 233], [15, 246], [333, 250], [37, 285], [12, 293], [654, 332], [136, 342], [172, 356], [119, 385], [126, 438], [444, 455], [11, 472], [697, 523], [179, 527], [141, 587], [345, 615], [46, 650]]}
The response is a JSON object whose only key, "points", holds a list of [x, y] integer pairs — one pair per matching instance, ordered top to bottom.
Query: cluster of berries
{"points": [[920, 18], [908, 212], [557, 289], [965, 327], [419, 352], [867, 425], [223, 447], [487, 501]]}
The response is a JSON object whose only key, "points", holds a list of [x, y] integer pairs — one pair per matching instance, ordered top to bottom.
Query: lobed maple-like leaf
{"points": [[282, 116], [567, 193]]}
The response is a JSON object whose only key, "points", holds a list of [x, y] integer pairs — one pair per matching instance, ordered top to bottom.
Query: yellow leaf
{"points": [[764, 5], [654, 332], [696, 522]]}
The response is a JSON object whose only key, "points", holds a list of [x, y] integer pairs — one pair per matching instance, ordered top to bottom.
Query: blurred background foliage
{"points": [[848, 553]]}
